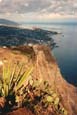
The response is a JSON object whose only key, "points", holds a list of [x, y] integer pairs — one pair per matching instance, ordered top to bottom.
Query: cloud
{"points": [[0, 0], [25, 6], [39, 8]]}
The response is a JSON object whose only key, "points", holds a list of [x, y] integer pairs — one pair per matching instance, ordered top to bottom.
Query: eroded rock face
{"points": [[45, 68]]}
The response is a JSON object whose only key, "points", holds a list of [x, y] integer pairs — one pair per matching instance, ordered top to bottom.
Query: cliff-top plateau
{"points": [[45, 68]]}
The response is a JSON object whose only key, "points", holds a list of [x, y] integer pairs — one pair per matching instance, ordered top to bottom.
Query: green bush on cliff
{"points": [[12, 82], [15, 92], [44, 99]]}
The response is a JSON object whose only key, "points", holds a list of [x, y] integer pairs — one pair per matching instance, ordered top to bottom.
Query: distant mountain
{"points": [[8, 22]]}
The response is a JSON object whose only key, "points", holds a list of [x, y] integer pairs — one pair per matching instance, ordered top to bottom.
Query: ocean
{"points": [[66, 52]]}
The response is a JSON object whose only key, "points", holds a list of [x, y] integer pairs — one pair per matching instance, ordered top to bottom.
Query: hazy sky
{"points": [[38, 10]]}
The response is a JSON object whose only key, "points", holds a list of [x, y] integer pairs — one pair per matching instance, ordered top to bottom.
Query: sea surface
{"points": [[66, 52]]}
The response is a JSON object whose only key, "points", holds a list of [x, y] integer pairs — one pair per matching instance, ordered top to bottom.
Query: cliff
{"points": [[45, 68]]}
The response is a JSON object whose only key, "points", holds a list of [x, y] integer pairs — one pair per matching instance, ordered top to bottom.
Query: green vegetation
{"points": [[12, 82], [19, 89], [43, 100]]}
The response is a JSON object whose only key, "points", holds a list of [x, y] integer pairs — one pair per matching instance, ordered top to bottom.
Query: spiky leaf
{"points": [[24, 77]]}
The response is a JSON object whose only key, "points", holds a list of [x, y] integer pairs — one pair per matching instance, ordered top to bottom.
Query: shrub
{"points": [[12, 82]]}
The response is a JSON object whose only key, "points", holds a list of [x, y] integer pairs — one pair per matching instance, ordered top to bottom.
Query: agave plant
{"points": [[12, 82], [18, 88]]}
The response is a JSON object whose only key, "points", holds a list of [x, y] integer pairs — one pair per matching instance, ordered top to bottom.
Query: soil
{"points": [[45, 68], [21, 111]]}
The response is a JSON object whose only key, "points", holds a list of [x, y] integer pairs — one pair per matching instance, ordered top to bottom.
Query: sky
{"points": [[38, 10]]}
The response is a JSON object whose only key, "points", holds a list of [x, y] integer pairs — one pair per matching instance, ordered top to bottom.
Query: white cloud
{"points": [[0, 0], [26, 4], [42, 9]]}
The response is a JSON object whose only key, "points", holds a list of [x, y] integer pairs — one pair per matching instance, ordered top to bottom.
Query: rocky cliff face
{"points": [[45, 68]]}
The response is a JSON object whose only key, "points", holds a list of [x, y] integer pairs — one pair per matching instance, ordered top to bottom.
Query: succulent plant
{"points": [[13, 81], [17, 87], [39, 99]]}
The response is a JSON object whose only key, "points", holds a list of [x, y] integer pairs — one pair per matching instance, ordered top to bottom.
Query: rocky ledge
{"points": [[45, 68]]}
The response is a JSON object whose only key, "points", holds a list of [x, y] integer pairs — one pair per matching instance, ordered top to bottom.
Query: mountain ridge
{"points": [[8, 22]]}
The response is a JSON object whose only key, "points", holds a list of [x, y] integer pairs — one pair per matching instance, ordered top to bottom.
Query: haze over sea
{"points": [[66, 53]]}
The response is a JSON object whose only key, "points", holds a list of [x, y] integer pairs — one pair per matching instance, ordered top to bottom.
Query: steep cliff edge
{"points": [[45, 68]]}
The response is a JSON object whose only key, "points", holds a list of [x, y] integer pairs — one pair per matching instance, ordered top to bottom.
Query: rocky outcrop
{"points": [[45, 68]]}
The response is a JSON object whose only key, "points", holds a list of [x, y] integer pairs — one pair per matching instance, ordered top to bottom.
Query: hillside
{"points": [[8, 22], [15, 36], [45, 68]]}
